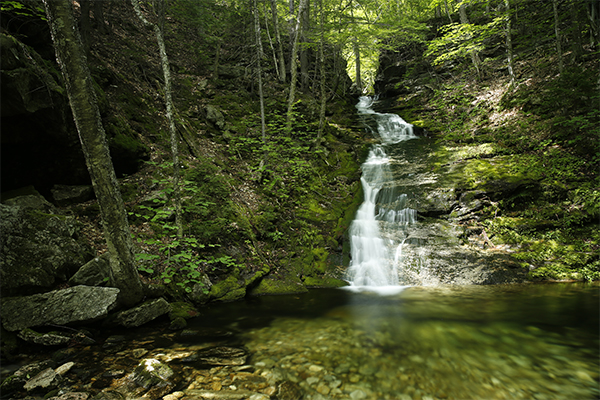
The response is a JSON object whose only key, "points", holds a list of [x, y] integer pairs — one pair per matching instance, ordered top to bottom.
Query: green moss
{"points": [[323, 282], [278, 285], [228, 290], [182, 309]]}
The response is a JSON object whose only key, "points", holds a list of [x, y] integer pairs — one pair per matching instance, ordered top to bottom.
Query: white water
{"points": [[376, 262]]}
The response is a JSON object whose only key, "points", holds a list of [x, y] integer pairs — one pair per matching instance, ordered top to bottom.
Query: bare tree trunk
{"points": [[448, 11], [99, 15], [86, 26], [557, 32], [303, 49], [356, 49], [509, 49], [473, 53], [259, 56], [164, 60], [294, 66], [282, 73], [322, 74], [84, 105]]}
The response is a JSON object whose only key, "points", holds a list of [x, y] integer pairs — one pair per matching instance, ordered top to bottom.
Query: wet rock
{"points": [[64, 195], [37, 247], [93, 273], [59, 307], [142, 314], [206, 333], [45, 339], [114, 341], [222, 355], [66, 367], [154, 376], [46, 380], [16, 381], [289, 391], [224, 395], [71, 396]]}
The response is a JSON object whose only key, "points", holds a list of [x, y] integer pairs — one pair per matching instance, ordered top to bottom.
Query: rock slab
{"points": [[59, 307]]}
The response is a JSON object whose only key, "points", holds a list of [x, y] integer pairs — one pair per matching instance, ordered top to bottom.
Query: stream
{"points": [[399, 332]]}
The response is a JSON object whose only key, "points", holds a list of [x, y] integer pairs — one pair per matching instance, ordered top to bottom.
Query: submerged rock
{"points": [[59, 307], [222, 355]]}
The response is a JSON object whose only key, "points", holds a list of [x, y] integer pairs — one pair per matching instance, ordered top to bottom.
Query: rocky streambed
{"points": [[470, 342]]}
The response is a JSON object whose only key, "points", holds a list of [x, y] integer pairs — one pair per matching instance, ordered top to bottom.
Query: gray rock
{"points": [[215, 116], [64, 195], [31, 201], [37, 249], [93, 273], [59, 307], [142, 314], [45, 339], [222, 355], [152, 375], [47, 379], [17, 380], [224, 395], [72, 396]]}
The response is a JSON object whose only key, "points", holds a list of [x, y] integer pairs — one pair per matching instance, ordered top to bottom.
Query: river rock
{"points": [[64, 195], [37, 247], [93, 273], [59, 307], [141, 314], [45, 339], [222, 355], [155, 376], [47, 379], [17, 380], [224, 395], [71, 396]]}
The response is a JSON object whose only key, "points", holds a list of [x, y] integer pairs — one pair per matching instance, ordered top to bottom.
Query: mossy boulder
{"points": [[324, 282], [272, 285]]}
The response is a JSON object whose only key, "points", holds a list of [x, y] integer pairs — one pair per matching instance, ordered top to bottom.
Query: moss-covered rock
{"points": [[323, 282], [272, 285]]}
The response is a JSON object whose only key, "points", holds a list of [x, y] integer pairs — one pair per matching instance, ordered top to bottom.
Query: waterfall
{"points": [[376, 259]]}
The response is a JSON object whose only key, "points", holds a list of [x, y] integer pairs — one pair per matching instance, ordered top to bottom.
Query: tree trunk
{"points": [[448, 11], [99, 15], [85, 26], [557, 33], [303, 49], [356, 49], [509, 49], [473, 53], [259, 56], [164, 60], [294, 66], [282, 73], [322, 74], [82, 98]]}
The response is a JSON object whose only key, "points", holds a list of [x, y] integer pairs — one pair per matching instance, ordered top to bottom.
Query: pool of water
{"points": [[531, 341]]}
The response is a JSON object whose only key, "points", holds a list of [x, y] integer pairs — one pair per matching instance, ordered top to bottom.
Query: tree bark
{"points": [[85, 26], [557, 33], [509, 49], [473, 53], [259, 56], [164, 60], [294, 66], [282, 73], [322, 74], [82, 98]]}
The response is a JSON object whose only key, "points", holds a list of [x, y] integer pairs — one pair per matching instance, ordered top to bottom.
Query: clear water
{"points": [[534, 341]]}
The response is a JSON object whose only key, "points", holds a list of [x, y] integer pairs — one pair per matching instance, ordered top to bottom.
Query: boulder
{"points": [[215, 116], [64, 195], [38, 248], [93, 273], [59, 307], [141, 314], [44, 339], [222, 355], [47, 379], [16, 381]]}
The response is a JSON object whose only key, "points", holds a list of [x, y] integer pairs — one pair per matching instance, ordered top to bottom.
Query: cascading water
{"points": [[375, 256]]}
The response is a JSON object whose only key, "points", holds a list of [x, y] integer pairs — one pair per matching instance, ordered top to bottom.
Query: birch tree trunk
{"points": [[509, 49], [259, 56], [164, 60], [294, 66], [282, 73], [82, 98]]}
